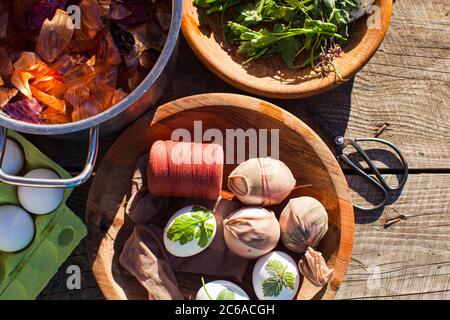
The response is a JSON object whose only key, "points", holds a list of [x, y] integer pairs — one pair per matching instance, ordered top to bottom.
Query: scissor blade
{"points": [[330, 133]]}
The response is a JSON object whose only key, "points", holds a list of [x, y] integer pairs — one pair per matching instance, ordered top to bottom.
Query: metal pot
{"points": [[111, 120]]}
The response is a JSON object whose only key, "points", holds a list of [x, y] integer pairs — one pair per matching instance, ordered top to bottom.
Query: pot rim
{"points": [[133, 97]]}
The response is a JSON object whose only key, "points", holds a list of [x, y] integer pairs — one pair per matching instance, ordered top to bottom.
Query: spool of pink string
{"points": [[188, 170]]}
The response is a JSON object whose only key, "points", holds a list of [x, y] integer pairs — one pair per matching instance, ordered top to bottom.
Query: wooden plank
{"points": [[411, 258]]}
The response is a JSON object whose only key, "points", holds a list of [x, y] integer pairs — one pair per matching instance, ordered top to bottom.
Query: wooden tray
{"points": [[300, 148]]}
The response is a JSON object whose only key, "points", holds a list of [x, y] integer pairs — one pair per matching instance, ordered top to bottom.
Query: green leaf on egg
{"points": [[192, 225], [278, 279], [226, 294]]}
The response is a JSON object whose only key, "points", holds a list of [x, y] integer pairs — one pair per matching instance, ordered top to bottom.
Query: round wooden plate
{"points": [[271, 77], [300, 148]]}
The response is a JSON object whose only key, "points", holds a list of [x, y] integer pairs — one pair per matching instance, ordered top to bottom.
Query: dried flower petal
{"points": [[105, 6], [42, 10], [21, 12], [119, 12], [138, 14], [164, 17], [4, 18], [91, 22], [148, 35], [55, 36], [124, 40], [83, 46], [108, 50], [148, 59], [29, 62], [63, 64], [6, 67], [81, 74], [20, 79], [105, 85], [51, 86], [6, 95], [76, 95], [118, 96], [101, 98], [49, 100], [25, 110], [84, 111], [52, 116], [314, 268]]}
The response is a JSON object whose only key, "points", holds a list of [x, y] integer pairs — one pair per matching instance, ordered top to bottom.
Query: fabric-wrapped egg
{"points": [[261, 182], [303, 222], [251, 232], [314, 268]]}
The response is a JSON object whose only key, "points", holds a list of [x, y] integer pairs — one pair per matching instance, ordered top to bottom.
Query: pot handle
{"points": [[53, 183]]}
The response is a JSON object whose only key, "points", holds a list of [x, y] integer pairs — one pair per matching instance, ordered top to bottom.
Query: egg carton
{"points": [[24, 274]]}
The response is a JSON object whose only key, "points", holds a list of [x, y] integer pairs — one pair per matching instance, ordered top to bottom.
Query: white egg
{"points": [[362, 7], [14, 159], [40, 200], [16, 228], [192, 247], [263, 273], [217, 289]]}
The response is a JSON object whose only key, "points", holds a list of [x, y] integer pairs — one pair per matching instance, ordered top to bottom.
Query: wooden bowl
{"points": [[271, 77], [300, 148]]}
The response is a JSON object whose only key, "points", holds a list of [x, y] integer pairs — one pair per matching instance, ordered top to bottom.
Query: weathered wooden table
{"points": [[402, 95]]}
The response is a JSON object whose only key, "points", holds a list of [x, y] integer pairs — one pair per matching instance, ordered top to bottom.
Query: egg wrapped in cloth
{"points": [[261, 182], [303, 222], [251, 232], [314, 268]]}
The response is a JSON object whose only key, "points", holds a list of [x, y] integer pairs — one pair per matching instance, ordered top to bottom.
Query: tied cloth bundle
{"points": [[188, 170], [261, 182]]}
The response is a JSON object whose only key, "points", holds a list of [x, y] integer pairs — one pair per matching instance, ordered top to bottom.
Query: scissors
{"points": [[374, 177]]}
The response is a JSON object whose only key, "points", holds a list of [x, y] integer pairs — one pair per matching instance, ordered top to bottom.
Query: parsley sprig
{"points": [[290, 28], [194, 225], [279, 278]]}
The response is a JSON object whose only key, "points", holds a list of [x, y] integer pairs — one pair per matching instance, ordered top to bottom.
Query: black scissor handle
{"points": [[354, 143], [374, 182], [380, 183]]}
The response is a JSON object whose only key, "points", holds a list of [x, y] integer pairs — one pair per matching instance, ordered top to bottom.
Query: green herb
{"points": [[216, 5], [290, 28], [193, 225], [278, 279], [206, 291], [226, 294]]}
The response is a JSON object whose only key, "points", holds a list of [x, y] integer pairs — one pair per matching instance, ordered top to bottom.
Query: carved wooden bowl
{"points": [[271, 77], [299, 147]]}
